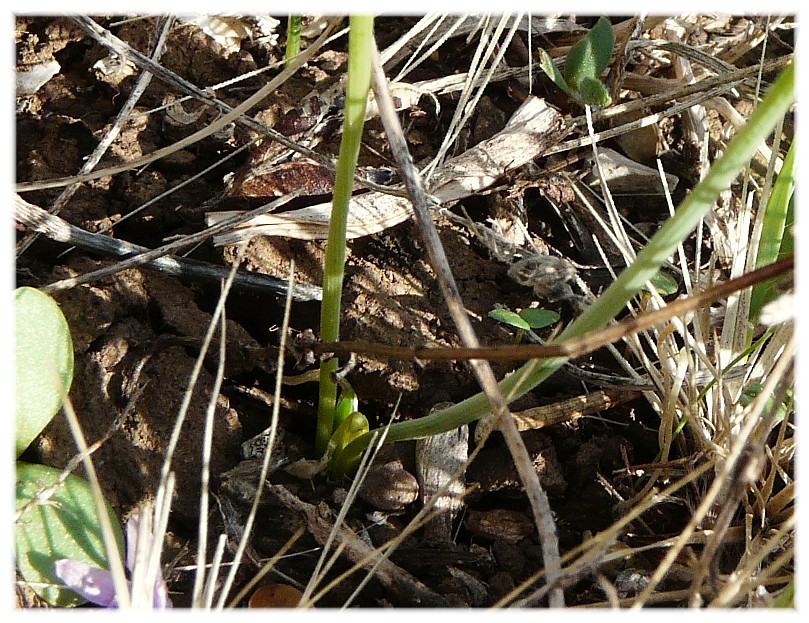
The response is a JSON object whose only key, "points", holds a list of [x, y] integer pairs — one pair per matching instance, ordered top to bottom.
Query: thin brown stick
{"points": [[571, 348], [572, 408]]}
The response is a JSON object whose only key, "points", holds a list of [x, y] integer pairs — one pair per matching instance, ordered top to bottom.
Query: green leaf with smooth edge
{"points": [[591, 55], [552, 71], [591, 91], [775, 232], [664, 284], [506, 316], [539, 318], [44, 363], [347, 404], [342, 463], [65, 526]]}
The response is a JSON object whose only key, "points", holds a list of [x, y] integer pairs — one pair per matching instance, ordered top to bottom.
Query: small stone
{"points": [[389, 487], [631, 582]]}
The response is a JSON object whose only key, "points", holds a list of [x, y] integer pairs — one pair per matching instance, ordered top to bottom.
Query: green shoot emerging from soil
{"points": [[293, 37], [360, 40], [584, 65], [631, 280]]}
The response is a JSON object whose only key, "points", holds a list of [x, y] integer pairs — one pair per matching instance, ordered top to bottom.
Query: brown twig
{"points": [[572, 348]]}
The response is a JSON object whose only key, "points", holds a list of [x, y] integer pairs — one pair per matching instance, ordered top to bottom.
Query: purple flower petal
{"points": [[131, 527], [94, 584], [161, 595]]}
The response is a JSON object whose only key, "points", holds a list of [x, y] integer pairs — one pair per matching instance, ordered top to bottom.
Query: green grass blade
{"points": [[360, 42], [293, 47], [773, 230], [633, 278]]}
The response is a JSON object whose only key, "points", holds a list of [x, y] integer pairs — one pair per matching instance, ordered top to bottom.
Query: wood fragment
{"points": [[627, 177], [56, 228], [572, 409], [440, 461]]}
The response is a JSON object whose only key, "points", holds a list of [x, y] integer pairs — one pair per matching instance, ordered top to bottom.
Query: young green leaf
{"points": [[360, 46], [590, 56], [584, 65], [552, 71], [591, 91], [664, 284], [506, 316], [539, 318], [44, 363], [347, 404], [342, 463], [66, 526]]}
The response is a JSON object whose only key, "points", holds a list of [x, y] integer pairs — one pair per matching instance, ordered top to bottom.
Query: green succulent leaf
{"points": [[590, 56], [552, 71], [539, 318], [512, 319], [44, 363], [347, 404], [355, 425], [65, 526]]}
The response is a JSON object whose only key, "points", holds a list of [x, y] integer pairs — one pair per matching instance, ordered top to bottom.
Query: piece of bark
{"points": [[438, 459]]}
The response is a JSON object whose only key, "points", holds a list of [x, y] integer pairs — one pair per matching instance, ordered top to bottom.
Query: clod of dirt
{"points": [[494, 470], [499, 523]]}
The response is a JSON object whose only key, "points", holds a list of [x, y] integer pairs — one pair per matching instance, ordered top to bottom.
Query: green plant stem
{"points": [[293, 38], [360, 41], [774, 230], [630, 281]]}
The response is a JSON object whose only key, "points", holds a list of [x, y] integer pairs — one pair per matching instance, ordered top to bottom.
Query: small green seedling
{"points": [[584, 65], [358, 82], [525, 319], [349, 423], [344, 463], [66, 525]]}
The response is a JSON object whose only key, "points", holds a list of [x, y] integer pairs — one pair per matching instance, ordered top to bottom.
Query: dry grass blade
{"points": [[529, 133], [500, 414]]}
